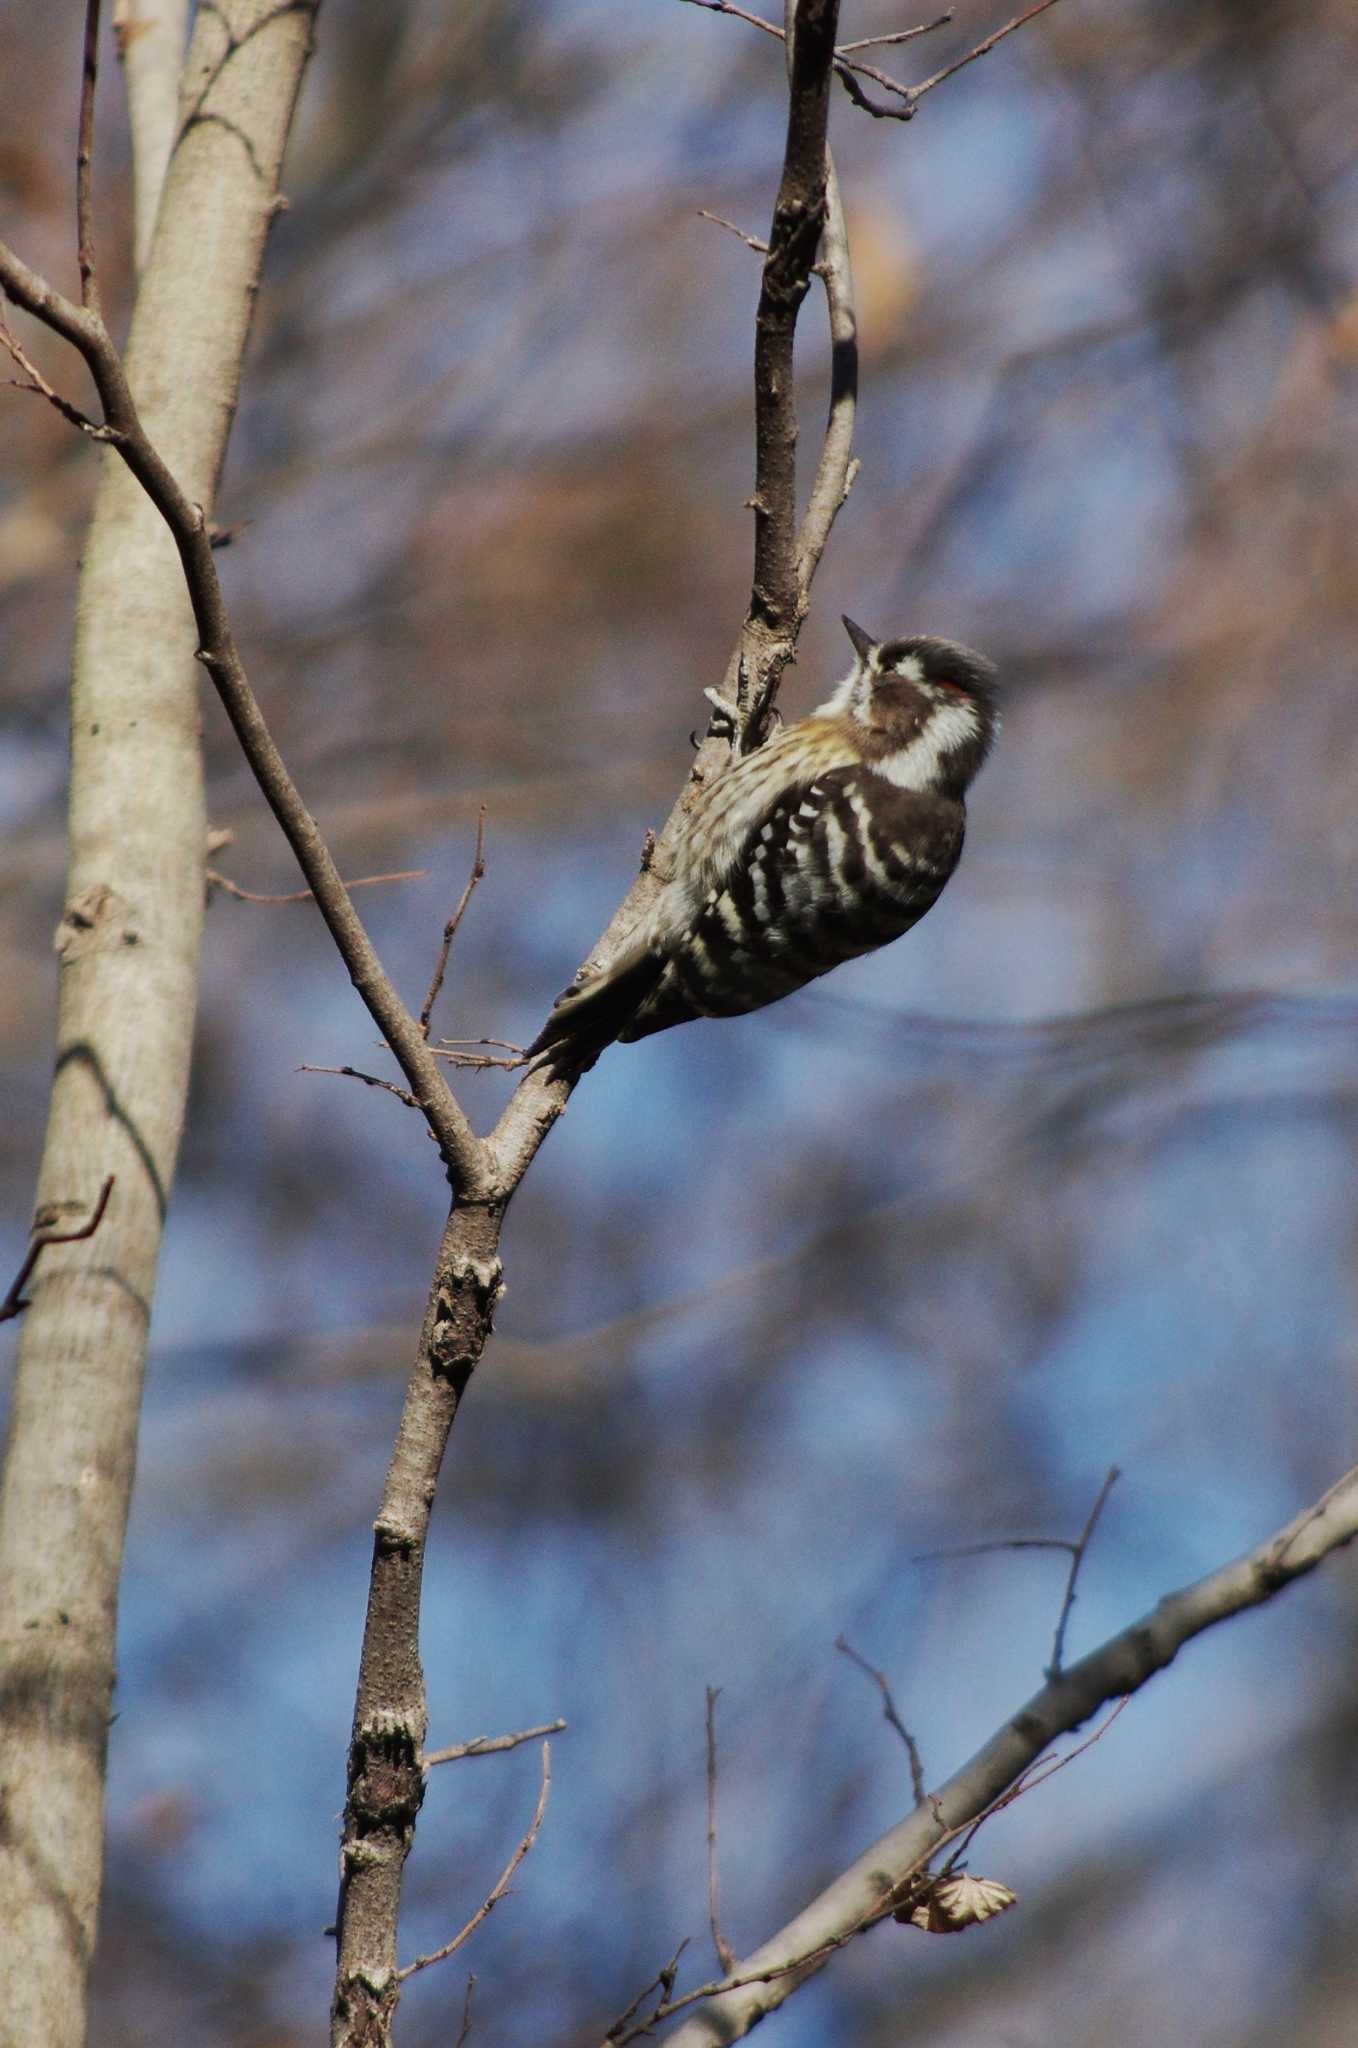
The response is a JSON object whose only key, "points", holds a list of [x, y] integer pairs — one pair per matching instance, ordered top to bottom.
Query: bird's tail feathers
{"points": [[589, 1014]]}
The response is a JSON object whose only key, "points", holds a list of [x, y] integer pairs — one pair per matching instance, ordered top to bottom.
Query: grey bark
{"points": [[127, 947]]}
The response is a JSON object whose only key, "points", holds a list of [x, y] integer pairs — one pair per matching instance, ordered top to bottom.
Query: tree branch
{"points": [[84, 156], [463, 1152], [501, 1885], [870, 1888]]}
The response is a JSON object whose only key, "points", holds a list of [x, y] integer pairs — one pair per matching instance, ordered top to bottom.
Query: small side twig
{"points": [[899, 35], [982, 49], [850, 68], [84, 202], [750, 241], [40, 388], [230, 888], [450, 929], [448, 1049], [368, 1080], [14, 1302], [1075, 1551], [1077, 1557], [889, 1714], [487, 1745], [1028, 1781], [499, 1888], [726, 1955], [663, 1982], [466, 2026]]}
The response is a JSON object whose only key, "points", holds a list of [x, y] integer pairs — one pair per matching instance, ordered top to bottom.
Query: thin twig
{"points": [[770, 28], [900, 35], [982, 49], [850, 69], [870, 106], [84, 201], [750, 241], [40, 388], [224, 882], [450, 929], [476, 1062], [368, 1080], [14, 1303], [989, 1547], [1074, 1550], [1077, 1555], [889, 1714], [488, 1745], [1029, 1780], [501, 1885], [726, 1955], [663, 1982], [666, 2006], [466, 2026]]}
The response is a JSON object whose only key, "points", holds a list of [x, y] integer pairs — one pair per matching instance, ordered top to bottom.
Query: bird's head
{"points": [[925, 710]]}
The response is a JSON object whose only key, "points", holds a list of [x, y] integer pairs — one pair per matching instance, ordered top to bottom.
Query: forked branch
{"points": [[872, 1887]]}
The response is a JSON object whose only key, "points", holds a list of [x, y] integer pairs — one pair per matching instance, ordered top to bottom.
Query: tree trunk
{"points": [[128, 946]]}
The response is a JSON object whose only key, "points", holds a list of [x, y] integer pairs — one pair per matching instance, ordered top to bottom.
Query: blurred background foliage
{"points": [[1067, 1179]]}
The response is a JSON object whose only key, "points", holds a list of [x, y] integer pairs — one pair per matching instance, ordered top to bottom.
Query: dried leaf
{"points": [[957, 1902]]}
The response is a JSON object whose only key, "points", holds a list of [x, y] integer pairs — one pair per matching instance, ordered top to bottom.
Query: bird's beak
{"points": [[863, 643]]}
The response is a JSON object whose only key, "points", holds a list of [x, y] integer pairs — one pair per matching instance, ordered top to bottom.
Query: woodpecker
{"points": [[828, 841]]}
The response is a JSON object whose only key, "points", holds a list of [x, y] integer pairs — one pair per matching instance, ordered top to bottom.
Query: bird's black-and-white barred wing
{"points": [[839, 866]]}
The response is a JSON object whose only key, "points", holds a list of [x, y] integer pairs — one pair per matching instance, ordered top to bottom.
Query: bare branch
{"points": [[770, 28], [900, 35], [982, 49], [846, 66], [875, 107], [84, 203], [799, 214], [750, 241], [39, 386], [837, 468], [230, 888], [450, 929], [368, 1080], [467, 1158], [14, 1303], [1075, 1551], [1077, 1557], [1120, 1666], [889, 1714], [488, 1745], [501, 1885], [726, 1955], [663, 1982], [466, 2026]]}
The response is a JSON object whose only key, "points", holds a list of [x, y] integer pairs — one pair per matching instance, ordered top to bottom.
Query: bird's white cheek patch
{"points": [[917, 766]]}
